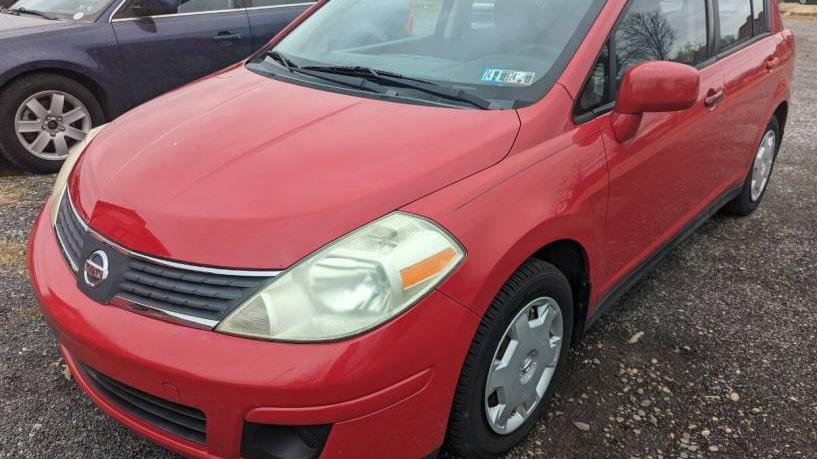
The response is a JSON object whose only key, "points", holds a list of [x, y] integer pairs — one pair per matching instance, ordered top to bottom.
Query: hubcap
{"points": [[49, 123], [762, 168], [523, 365]]}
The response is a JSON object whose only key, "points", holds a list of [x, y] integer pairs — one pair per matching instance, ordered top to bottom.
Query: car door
{"points": [[268, 17], [163, 52], [750, 55], [663, 177]]}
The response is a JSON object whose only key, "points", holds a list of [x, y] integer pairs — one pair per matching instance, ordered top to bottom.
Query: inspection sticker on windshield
{"points": [[505, 76]]}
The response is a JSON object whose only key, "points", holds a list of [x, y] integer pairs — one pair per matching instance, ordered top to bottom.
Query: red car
{"points": [[384, 230]]}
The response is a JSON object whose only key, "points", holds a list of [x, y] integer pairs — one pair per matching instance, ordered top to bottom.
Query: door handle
{"points": [[227, 36], [772, 62], [714, 97]]}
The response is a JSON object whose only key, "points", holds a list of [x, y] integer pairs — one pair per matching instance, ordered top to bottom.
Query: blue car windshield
{"points": [[68, 9], [505, 50]]}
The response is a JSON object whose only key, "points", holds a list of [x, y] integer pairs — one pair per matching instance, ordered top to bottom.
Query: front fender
{"points": [[87, 53], [545, 191]]}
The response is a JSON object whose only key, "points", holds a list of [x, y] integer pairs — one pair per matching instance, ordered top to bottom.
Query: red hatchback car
{"points": [[384, 230]]}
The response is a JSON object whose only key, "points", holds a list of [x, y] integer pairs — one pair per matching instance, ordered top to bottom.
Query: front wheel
{"points": [[41, 117], [757, 181], [513, 363]]}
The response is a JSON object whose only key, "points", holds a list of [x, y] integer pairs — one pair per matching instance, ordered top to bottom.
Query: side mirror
{"points": [[144, 8], [658, 86]]}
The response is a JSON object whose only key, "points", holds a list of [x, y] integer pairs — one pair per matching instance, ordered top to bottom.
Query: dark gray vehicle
{"points": [[69, 65]]}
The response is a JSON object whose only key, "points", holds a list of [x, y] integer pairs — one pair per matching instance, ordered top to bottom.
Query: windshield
{"points": [[73, 9], [507, 50]]}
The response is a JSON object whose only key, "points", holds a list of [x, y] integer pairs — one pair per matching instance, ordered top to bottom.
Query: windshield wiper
{"points": [[23, 10], [282, 59], [365, 72], [367, 79], [395, 79], [352, 81]]}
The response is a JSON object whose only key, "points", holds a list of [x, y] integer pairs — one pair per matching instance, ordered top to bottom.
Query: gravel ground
{"points": [[713, 355]]}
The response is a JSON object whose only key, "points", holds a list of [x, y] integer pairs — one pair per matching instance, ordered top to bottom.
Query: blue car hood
{"points": [[17, 26]]}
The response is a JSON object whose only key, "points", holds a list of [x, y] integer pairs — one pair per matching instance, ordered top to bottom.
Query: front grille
{"points": [[70, 233], [192, 295], [202, 295], [182, 421]]}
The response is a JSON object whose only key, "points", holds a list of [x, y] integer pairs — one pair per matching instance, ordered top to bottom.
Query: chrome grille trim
{"points": [[79, 219], [69, 232], [63, 246], [132, 305]]}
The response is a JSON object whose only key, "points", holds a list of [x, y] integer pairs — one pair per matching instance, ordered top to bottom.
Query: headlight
{"points": [[65, 171], [352, 285]]}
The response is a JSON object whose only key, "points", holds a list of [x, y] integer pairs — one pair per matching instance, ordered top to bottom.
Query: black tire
{"points": [[15, 94], [744, 205], [469, 433]]}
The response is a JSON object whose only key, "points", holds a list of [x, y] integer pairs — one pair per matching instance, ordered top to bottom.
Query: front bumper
{"points": [[386, 394]]}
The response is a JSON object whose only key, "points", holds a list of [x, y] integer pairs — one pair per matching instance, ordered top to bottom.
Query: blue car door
{"points": [[268, 17], [165, 51]]}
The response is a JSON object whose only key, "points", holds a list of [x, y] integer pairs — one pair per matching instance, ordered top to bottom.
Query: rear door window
{"points": [[264, 3], [201, 6], [184, 7], [759, 12], [482, 14], [424, 16], [735, 22]]}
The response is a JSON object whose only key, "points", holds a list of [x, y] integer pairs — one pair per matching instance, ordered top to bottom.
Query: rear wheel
{"points": [[41, 117], [757, 181], [514, 362]]}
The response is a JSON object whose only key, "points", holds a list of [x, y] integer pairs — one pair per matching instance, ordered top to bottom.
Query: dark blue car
{"points": [[68, 65]]}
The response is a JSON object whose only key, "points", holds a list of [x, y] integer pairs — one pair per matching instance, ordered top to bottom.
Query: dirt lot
{"points": [[726, 365]]}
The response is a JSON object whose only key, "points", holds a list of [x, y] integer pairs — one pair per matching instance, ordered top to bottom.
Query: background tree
{"points": [[646, 36]]}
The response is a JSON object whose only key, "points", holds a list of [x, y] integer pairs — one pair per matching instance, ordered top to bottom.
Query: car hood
{"points": [[12, 26], [239, 170]]}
